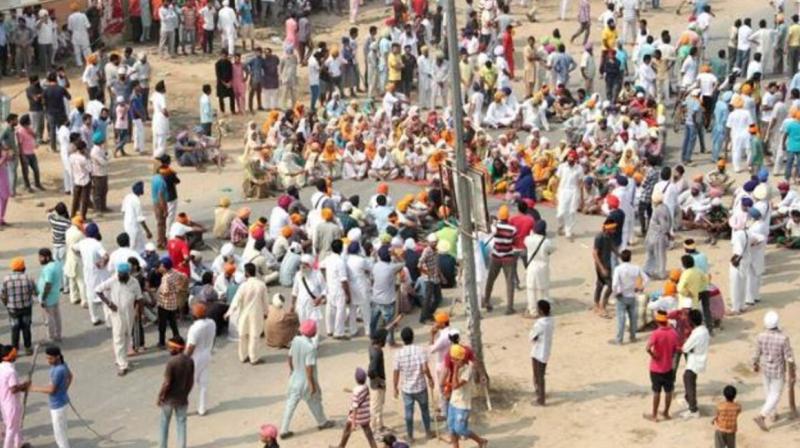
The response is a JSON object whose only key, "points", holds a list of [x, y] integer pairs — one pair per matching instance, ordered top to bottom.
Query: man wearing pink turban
{"points": [[303, 382]]}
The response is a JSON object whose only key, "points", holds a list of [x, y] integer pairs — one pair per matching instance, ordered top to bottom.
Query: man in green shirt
{"points": [[719, 65], [49, 287]]}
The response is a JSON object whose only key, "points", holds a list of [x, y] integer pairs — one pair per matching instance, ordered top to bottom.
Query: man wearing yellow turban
{"points": [[78, 25], [738, 123]]}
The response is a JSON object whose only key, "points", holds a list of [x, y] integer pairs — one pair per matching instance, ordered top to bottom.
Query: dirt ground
{"points": [[597, 392]]}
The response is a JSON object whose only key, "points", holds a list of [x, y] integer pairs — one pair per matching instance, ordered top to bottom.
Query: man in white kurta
{"points": [[227, 23], [78, 24], [160, 126], [570, 176], [133, 220], [93, 260], [741, 266], [73, 268], [358, 271], [537, 277], [338, 291], [119, 293], [308, 293], [251, 303], [199, 343]]}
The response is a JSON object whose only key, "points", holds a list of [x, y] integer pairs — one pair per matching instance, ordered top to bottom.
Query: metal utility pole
{"points": [[462, 185]]}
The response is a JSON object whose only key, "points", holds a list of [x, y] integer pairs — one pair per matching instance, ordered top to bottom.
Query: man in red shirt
{"points": [[524, 224], [178, 248], [662, 346]]}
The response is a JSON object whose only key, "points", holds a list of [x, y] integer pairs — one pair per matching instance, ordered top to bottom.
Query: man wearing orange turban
{"points": [[738, 122], [569, 193], [325, 233], [502, 257], [18, 291]]}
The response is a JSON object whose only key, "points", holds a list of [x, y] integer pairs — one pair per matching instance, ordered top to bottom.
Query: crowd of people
{"points": [[382, 110]]}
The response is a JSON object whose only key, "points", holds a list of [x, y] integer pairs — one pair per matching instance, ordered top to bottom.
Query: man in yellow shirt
{"points": [[609, 36], [793, 43], [395, 63], [693, 281]]}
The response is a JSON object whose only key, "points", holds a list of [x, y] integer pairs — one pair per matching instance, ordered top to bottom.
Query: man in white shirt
{"points": [[208, 14], [630, 14], [228, 22], [78, 24], [169, 26], [46, 39], [743, 44], [689, 70], [646, 76], [708, 84], [738, 124], [628, 280], [338, 291], [308, 293], [541, 337], [199, 343], [696, 350]]}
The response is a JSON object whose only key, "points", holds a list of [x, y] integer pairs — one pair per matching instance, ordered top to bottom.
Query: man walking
{"points": [[120, 293], [773, 357], [412, 365], [303, 379], [173, 398]]}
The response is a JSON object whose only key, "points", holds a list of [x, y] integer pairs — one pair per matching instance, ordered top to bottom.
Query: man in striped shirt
{"points": [[502, 257]]}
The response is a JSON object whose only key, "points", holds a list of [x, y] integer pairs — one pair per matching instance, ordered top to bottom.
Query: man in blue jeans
{"points": [[691, 125], [628, 279], [411, 363], [174, 394]]}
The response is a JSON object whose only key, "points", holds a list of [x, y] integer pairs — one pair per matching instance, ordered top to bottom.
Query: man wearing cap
{"points": [[693, 120], [570, 193], [133, 220], [49, 289], [17, 292], [119, 293], [250, 303], [199, 342], [772, 358], [304, 379], [173, 397]]}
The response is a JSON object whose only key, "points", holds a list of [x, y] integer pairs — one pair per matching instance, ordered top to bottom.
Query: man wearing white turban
{"points": [[227, 21], [772, 358]]}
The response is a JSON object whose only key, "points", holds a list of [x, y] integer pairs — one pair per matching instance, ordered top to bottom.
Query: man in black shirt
{"points": [[224, 72], [34, 93], [54, 97], [602, 252], [376, 372], [174, 393]]}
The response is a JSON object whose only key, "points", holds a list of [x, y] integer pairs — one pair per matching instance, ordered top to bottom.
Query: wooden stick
{"points": [[30, 377]]}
